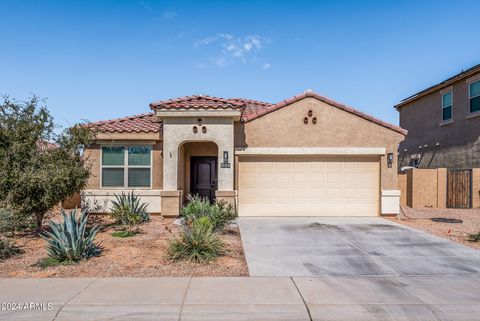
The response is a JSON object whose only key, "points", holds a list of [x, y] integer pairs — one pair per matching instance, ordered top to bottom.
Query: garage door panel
{"points": [[313, 185]]}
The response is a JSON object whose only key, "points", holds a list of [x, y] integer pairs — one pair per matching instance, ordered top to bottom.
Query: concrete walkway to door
{"points": [[327, 246]]}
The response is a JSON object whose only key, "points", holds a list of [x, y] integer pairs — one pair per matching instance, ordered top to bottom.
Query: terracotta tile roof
{"points": [[197, 102], [269, 108], [252, 109], [143, 123]]}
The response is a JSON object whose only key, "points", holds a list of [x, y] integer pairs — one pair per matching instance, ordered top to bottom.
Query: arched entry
{"points": [[198, 168]]}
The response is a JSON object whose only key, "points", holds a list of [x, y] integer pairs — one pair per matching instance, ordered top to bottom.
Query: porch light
{"points": [[195, 129], [204, 129], [389, 160]]}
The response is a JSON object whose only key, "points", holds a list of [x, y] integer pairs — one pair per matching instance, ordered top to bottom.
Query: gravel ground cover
{"points": [[459, 232], [143, 255]]}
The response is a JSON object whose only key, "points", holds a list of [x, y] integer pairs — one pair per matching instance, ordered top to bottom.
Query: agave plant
{"points": [[128, 211], [70, 240]]}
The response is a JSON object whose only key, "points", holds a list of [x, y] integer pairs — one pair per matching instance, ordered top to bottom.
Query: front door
{"points": [[203, 176]]}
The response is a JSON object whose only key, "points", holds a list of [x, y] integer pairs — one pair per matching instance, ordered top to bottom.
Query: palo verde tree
{"points": [[39, 168]]}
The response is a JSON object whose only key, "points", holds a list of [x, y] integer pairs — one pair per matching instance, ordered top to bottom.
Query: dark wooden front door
{"points": [[203, 176], [459, 188]]}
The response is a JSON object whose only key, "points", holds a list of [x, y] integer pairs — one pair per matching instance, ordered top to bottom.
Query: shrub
{"points": [[40, 167], [195, 208], [128, 211], [220, 213], [203, 223], [123, 234], [474, 237], [70, 240], [197, 244], [8, 248]]}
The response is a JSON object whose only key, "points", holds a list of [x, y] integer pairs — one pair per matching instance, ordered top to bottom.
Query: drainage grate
{"points": [[446, 220]]}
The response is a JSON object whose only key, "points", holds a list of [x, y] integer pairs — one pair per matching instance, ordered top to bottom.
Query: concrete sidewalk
{"points": [[254, 298]]}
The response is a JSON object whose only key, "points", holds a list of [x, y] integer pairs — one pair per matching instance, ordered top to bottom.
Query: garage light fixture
{"points": [[389, 160]]}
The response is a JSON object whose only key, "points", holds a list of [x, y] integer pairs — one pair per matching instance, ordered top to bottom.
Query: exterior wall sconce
{"points": [[310, 113], [305, 120], [314, 120], [195, 129], [204, 129], [225, 156], [389, 160]]}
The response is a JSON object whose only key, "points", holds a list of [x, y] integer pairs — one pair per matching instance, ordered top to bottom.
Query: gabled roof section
{"points": [[447, 82], [197, 102], [269, 108], [251, 109], [143, 123]]}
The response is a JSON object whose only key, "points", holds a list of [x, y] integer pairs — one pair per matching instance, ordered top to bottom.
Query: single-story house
{"points": [[304, 156]]}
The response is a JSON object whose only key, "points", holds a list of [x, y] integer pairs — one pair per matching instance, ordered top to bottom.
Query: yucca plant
{"points": [[128, 211], [70, 240], [197, 244]]}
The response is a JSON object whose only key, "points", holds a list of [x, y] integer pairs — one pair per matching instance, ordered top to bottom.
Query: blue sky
{"points": [[98, 60]]}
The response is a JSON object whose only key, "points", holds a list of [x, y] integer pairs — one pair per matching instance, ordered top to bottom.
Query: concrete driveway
{"points": [[307, 246]]}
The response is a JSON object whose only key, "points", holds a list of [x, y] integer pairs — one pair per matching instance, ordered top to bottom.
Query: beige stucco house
{"points": [[304, 156]]}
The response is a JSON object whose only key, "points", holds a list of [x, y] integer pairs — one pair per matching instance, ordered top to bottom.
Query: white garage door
{"points": [[308, 186]]}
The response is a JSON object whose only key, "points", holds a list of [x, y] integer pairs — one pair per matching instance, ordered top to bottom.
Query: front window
{"points": [[474, 92], [447, 104], [126, 166]]}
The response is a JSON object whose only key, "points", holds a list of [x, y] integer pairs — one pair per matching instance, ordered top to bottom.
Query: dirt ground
{"points": [[420, 219], [143, 255]]}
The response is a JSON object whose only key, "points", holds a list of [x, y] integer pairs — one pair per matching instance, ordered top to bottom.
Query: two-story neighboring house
{"points": [[443, 123]]}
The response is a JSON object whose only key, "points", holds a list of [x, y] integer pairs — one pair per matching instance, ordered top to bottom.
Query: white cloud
{"points": [[169, 15], [244, 49], [266, 66]]}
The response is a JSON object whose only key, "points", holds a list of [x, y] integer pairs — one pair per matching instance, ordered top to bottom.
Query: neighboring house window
{"points": [[474, 92], [447, 103], [124, 166]]}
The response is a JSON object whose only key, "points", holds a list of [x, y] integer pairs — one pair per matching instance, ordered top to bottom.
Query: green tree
{"points": [[38, 167]]}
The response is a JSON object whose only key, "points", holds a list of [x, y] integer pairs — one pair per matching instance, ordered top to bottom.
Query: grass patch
{"points": [[123, 234], [474, 237], [49, 262]]}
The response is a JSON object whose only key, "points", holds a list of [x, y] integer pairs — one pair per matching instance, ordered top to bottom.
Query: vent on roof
{"points": [[308, 91]]}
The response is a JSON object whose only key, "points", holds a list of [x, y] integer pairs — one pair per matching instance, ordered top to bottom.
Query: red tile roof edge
{"points": [[324, 99], [159, 104], [95, 125]]}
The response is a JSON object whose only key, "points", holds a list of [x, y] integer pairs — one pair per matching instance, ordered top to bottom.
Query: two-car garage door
{"points": [[308, 186]]}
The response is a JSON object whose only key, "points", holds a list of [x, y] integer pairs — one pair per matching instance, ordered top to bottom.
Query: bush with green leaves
{"points": [[40, 166], [128, 211], [220, 213], [70, 240], [197, 243], [8, 248]]}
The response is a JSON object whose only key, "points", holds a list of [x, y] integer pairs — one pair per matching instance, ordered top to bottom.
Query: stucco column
{"points": [[170, 164], [225, 174]]}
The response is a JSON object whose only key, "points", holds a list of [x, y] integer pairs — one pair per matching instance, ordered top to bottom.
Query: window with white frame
{"points": [[474, 93], [447, 105], [126, 166]]}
